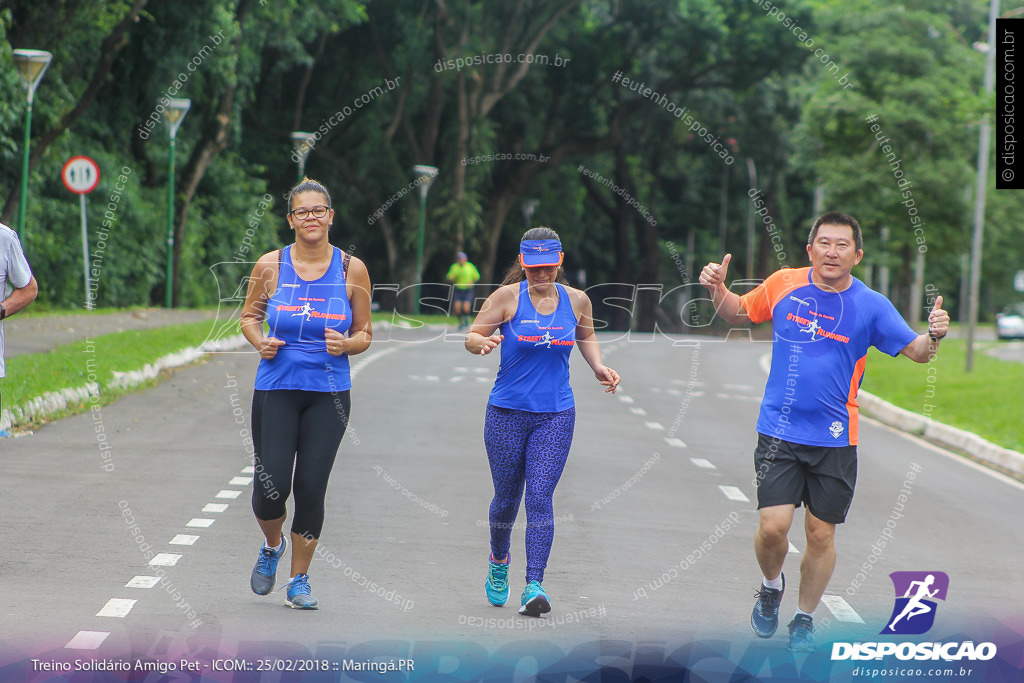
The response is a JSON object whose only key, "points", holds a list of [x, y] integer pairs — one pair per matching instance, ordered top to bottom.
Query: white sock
{"points": [[278, 548], [775, 583], [809, 615]]}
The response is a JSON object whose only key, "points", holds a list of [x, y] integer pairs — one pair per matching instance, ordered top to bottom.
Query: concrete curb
{"points": [[54, 402], [942, 434]]}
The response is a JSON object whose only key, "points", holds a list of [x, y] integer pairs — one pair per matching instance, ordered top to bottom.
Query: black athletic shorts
{"points": [[463, 295], [821, 477]]}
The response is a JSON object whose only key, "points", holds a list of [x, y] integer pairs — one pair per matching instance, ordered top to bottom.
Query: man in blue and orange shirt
{"points": [[823, 322]]}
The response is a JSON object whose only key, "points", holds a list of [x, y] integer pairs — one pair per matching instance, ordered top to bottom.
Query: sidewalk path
{"points": [[38, 334]]}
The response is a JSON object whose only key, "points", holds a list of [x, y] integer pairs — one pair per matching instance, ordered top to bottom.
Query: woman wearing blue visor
{"points": [[531, 412]]}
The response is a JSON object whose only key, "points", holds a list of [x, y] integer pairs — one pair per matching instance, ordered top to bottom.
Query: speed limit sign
{"points": [[81, 175]]}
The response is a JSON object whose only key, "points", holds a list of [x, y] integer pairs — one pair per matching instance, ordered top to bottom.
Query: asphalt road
{"points": [[650, 552]]}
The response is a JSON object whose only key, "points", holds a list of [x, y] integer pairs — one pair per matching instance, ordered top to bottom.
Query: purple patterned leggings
{"points": [[526, 451]]}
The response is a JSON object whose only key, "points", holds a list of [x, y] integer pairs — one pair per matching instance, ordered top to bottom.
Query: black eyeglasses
{"points": [[316, 211]]}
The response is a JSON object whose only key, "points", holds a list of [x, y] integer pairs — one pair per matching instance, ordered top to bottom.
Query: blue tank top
{"points": [[299, 313], [534, 370]]}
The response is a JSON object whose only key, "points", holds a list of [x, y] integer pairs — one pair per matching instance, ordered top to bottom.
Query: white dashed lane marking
{"points": [[739, 397], [626, 399], [638, 411], [656, 426], [673, 441], [703, 463], [733, 493], [183, 539], [793, 549], [165, 560], [142, 582], [116, 607], [120, 607], [841, 609], [87, 640]]}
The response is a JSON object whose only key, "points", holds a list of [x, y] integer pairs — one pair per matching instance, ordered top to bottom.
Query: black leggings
{"points": [[300, 431]]}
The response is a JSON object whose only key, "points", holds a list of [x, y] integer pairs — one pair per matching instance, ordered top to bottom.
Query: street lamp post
{"points": [[31, 66], [175, 113], [302, 142], [425, 175], [752, 177], [979, 192]]}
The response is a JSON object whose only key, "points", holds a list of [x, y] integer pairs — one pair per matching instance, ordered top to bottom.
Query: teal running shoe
{"points": [[496, 585], [535, 600]]}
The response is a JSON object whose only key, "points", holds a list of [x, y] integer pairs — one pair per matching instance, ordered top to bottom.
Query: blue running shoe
{"points": [[264, 574], [496, 585], [299, 595], [535, 600], [764, 620], [801, 634]]}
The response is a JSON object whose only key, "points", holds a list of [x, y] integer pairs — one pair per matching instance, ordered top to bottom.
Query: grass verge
{"points": [[95, 360], [985, 401]]}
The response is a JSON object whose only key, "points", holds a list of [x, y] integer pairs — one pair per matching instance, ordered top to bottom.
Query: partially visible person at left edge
{"points": [[18, 285]]}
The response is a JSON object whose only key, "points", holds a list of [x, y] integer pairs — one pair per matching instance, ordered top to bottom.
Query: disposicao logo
{"points": [[916, 592], [913, 614]]}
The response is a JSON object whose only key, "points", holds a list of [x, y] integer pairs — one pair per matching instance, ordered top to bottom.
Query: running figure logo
{"points": [[306, 310], [812, 328], [545, 340], [914, 611]]}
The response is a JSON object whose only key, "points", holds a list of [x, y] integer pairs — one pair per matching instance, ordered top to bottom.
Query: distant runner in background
{"points": [[463, 275]]}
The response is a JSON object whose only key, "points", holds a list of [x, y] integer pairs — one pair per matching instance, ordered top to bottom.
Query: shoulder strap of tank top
{"points": [[344, 263], [563, 295]]}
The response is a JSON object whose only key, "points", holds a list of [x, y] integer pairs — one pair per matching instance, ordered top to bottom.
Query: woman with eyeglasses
{"points": [[315, 300], [531, 412]]}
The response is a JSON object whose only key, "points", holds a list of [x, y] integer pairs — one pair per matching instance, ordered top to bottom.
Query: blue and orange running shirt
{"points": [[299, 314], [820, 344], [534, 370]]}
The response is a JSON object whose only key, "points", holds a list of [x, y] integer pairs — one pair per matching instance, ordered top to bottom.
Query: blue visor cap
{"points": [[540, 253]]}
